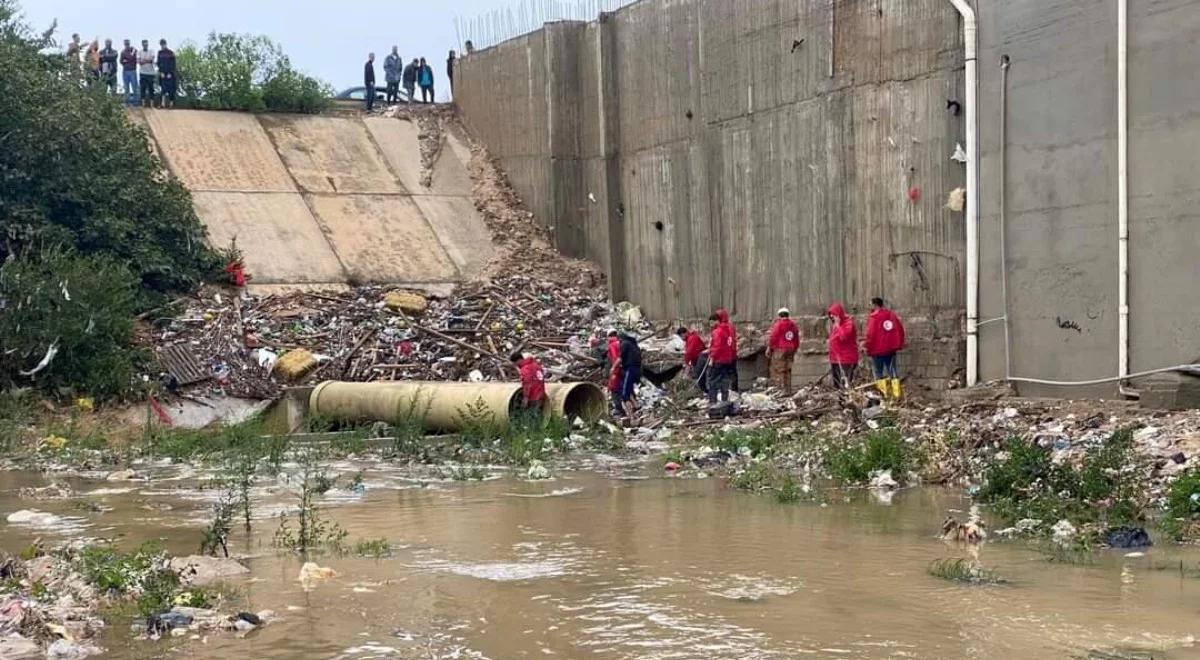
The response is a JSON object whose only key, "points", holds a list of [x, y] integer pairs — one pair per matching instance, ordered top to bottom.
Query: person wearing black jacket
{"points": [[450, 62], [108, 66], [168, 78], [409, 79], [369, 81], [630, 364]]}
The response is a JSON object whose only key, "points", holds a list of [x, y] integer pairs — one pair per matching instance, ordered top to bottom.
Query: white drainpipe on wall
{"points": [[970, 39], [1123, 194]]}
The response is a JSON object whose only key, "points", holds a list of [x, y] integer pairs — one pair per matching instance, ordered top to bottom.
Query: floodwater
{"points": [[595, 564]]}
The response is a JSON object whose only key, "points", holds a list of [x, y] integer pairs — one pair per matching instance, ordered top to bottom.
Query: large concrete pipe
{"points": [[445, 406]]}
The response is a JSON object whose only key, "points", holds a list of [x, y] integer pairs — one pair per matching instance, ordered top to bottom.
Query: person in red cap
{"points": [[885, 338], [782, 344], [843, 346], [722, 356], [533, 381]]}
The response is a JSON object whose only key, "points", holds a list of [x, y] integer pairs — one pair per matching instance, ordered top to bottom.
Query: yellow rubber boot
{"points": [[882, 386], [896, 389]]}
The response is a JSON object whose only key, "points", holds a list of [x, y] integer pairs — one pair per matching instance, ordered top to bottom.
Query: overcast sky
{"points": [[326, 38]]}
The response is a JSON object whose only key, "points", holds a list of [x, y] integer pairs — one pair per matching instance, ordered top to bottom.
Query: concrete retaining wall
{"points": [[748, 154], [1061, 197]]}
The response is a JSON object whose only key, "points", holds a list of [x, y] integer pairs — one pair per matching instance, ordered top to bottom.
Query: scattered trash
{"points": [[960, 154], [957, 200], [406, 302], [295, 364], [672, 466], [537, 470], [882, 479], [1063, 531], [1128, 537], [311, 574]]}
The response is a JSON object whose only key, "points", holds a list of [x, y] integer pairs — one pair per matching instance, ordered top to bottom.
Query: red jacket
{"points": [[885, 332], [785, 336], [843, 339], [693, 346], [722, 348], [614, 374], [533, 380]]}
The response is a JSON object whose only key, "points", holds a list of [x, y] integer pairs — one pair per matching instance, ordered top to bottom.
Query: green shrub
{"points": [[247, 72], [80, 309], [759, 441], [884, 449], [1106, 487], [1182, 505]]}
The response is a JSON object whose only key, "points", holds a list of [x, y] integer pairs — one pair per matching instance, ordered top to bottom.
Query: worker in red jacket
{"points": [[885, 338], [782, 344], [843, 346], [722, 356], [695, 360], [614, 372], [533, 381]]}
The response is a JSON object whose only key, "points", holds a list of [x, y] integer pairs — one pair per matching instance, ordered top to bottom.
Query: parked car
{"points": [[360, 94]]}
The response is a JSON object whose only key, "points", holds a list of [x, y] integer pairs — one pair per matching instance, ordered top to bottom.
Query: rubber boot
{"points": [[882, 386], [896, 390]]}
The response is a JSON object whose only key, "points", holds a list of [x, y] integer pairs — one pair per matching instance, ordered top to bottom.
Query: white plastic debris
{"points": [[960, 154], [265, 357], [476, 376], [537, 470], [882, 479], [1064, 532]]}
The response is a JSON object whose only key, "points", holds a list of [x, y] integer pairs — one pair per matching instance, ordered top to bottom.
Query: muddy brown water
{"points": [[597, 565]]}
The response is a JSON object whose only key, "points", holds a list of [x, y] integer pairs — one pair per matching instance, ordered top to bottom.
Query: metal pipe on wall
{"points": [[970, 46], [1004, 64]]}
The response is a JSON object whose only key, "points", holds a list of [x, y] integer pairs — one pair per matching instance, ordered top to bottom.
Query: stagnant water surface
{"points": [[589, 565]]}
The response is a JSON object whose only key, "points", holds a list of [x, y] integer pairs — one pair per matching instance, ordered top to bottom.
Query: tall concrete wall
{"points": [[751, 154], [1061, 196]]}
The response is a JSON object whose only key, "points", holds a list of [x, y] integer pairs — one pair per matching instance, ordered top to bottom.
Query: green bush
{"points": [[247, 72], [75, 172], [78, 308], [759, 441], [879, 450], [1105, 487], [1183, 505]]}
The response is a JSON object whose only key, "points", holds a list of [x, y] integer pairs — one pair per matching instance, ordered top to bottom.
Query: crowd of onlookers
{"points": [[147, 77], [401, 78]]}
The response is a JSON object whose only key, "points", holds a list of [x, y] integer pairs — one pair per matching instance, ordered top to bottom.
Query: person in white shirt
{"points": [[147, 73]]}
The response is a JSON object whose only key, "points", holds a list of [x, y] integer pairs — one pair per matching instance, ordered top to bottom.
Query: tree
{"points": [[247, 72]]}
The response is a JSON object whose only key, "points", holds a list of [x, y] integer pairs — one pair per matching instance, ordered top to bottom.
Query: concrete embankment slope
{"points": [[326, 200]]}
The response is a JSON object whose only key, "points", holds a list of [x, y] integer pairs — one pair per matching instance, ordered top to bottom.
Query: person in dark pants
{"points": [[450, 62], [108, 67], [392, 67], [147, 74], [410, 79], [168, 80], [425, 80], [369, 81], [722, 358], [630, 364]]}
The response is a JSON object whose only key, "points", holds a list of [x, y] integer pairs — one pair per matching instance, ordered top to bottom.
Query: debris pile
{"points": [[252, 346]]}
